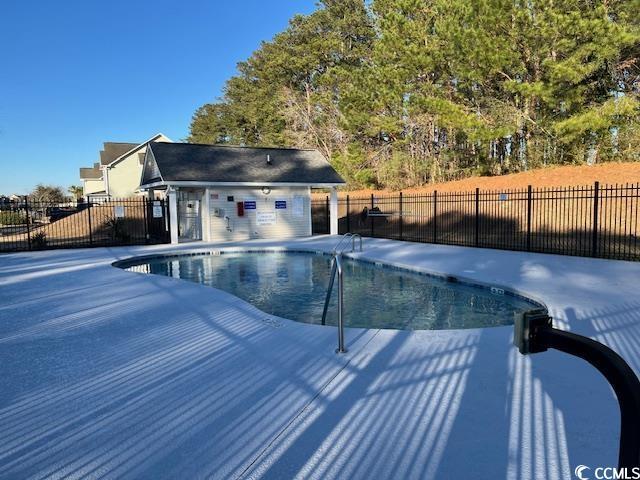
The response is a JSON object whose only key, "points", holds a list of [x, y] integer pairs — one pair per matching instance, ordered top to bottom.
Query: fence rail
{"points": [[590, 221], [39, 225]]}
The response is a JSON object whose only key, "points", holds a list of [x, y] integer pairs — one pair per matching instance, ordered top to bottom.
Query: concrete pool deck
{"points": [[108, 373]]}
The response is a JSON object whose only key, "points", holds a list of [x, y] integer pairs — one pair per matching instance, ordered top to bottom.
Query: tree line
{"points": [[398, 93]]}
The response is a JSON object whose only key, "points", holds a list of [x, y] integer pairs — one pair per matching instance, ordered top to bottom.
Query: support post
{"points": [[373, 204], [596, 205], [145, 209], [529, 209], [26, 211], [333, 211], [173, 215], [348, 215], [205, 216], [400, 216], [435, 216], [89, 220], [327, 220], [477, 226]]}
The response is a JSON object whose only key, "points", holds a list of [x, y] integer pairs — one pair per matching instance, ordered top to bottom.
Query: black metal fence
{"points": [[591, 221], [39, 225]]}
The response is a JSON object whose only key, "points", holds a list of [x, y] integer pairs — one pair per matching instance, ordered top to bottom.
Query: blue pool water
{"points": [[293, 286]]}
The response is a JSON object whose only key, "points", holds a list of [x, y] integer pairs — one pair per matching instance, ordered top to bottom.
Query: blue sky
{"points": [[76, 73]]}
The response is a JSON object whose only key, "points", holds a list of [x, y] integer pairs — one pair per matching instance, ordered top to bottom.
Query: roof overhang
{"points": [[239, 184]]}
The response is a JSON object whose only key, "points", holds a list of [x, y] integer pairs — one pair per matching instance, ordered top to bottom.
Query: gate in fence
{"points": [[39, 225]]}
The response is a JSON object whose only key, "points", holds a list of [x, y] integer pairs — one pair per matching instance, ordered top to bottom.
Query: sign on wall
{"points": [[249, 204], [281, 204], [298, 206], [157, 210], [119, 211], [266, 218]]}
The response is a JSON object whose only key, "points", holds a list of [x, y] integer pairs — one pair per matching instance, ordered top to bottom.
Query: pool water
{"points": [[294, 285]]}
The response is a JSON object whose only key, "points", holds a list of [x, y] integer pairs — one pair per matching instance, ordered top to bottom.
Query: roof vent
{"points": [[269, 159]]}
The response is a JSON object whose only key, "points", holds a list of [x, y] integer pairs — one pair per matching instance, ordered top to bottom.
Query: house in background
{"points": [[118, 173], [91, 178], [219, 193]]}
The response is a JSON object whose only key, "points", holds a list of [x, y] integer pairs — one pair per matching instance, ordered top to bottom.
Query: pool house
{"points": [[223, 193]]}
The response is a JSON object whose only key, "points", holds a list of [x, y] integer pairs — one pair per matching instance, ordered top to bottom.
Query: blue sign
{"points": [[281, 204], [250, 205]]}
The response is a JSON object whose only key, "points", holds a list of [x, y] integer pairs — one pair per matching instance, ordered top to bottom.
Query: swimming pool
{"points": [[293, 285]]}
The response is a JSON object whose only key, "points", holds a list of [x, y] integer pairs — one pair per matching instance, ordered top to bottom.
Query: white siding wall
{"points": [[124, 176], [92, 186], [287, 224]]}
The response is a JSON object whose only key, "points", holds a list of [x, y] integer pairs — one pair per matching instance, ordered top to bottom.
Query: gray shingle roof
{"points": [[113, 150], [215, 163], [90, 173]]}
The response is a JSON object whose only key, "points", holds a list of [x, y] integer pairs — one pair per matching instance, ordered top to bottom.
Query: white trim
{"points": [[134, 149], [147, 153], [105, 178], [240, 184], [173, 216], [205, 216]]}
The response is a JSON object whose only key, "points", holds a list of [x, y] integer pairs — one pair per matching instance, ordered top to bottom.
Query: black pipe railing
{"points": [[534, 333]]}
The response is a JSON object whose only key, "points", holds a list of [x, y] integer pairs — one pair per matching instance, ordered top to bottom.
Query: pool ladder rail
{"points": [[347, 236], [336, 269]]}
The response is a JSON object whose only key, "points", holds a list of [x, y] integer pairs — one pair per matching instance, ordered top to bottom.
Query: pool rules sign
{"points": [[157, 210], [266, 218]]}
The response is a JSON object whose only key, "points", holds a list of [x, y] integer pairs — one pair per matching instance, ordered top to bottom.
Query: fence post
{"points": [[596, 198], [529, 207], [26, 209], [145, 209], [400, 213], [326, 214], [435, 216], [372, 218], [89, 219], [348, 219], [477, 232]]}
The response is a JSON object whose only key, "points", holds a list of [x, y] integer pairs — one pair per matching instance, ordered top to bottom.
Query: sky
{"points": [[74, 74]]}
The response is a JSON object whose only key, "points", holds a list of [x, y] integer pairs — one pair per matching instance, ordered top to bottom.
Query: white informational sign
{"points": [[298, 206], [119, 211], [157, 211], [265, 218]]}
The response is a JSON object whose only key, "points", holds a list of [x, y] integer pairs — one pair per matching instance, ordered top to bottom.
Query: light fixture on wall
{"points": [[266, 190]]}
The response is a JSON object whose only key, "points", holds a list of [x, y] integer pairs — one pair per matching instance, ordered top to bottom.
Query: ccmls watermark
{"points": [[583, 472]]}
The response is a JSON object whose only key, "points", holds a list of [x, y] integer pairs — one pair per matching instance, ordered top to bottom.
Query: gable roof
{"points": [[135, 147], [113, 150], [218, 164]]}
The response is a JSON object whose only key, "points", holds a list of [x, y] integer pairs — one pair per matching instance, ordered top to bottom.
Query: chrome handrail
{"points": [[346, 236], [353, 241], [339, 244], [336, 268]]}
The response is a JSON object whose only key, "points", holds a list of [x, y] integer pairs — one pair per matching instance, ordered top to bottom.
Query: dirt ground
{"points": [[607, 173]]}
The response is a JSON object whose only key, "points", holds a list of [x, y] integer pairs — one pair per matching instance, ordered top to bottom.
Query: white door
{"points": [[189, 215]]}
